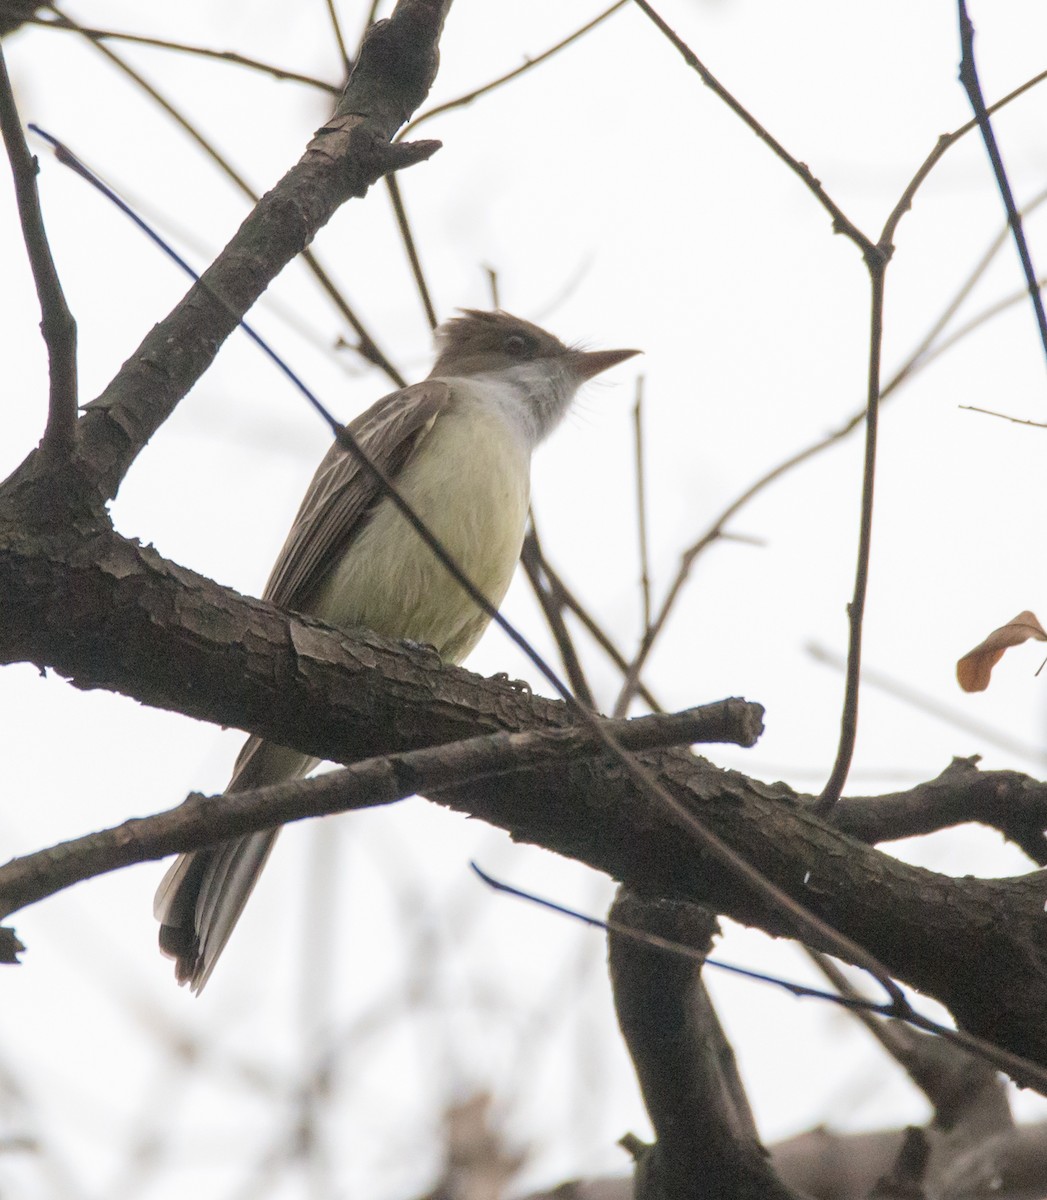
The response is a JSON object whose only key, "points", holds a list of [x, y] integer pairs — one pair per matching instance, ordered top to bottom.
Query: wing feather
{"points": [[342, 494]]}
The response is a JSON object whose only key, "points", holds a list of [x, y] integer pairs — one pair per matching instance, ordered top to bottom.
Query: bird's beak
{"points": [[587, 363]]}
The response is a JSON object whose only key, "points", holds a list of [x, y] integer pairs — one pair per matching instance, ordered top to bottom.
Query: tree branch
{"points": [[57, 323], [106, 612], [1005, 800], [202, 820], [707, 1141]]}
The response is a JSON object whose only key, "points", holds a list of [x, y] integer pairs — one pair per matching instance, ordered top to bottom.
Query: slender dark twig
{"points": [[60, 21], [336, 27], [971, 85], [476, 93], [393, 187], [841, 222], [492, 285], [57, 323], [1003, 416], [641, 505], [566, 599], [552, 606], [826, 802]]}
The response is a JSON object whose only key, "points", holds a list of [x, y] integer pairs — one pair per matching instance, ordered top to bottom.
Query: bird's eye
{"points": [[517, 345]]}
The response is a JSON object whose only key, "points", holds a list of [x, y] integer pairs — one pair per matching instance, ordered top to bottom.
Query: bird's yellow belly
{"points": [[469, 482]]}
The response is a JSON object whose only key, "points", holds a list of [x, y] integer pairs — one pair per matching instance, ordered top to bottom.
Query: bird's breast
{"points": [[469, 481]]}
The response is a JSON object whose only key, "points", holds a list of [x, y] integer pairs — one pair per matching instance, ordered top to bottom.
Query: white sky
{"points": [[622, 204]]}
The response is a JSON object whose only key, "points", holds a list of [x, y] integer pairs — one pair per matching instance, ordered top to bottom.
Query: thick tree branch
{"points": [[108, 613], [1005, 800], [707, 1141]]}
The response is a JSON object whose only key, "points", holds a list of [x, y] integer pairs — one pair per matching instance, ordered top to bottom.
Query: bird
{"points": [[457, 447]]}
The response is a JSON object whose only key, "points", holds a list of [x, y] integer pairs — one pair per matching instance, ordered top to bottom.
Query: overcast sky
{"points": [[622, 204]]}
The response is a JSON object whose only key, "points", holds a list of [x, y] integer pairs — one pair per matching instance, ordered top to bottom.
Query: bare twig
{"points": [[60, 21], [336, 29], [969, 79], [476, 93], [393, 186], [840, 221], [492, 285], [57, 323], [1003, 416], [641, 505], [565, 598], [552, 609], [826, 802]]}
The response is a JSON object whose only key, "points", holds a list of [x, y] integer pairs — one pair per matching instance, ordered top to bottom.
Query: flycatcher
{"points": [[458, 448]]}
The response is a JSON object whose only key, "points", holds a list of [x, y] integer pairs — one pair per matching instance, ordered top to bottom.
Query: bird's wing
{"points": [[342, 493], [201, 897]]}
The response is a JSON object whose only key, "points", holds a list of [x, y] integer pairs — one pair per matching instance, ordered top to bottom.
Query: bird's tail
{"points": [[201, 897]]}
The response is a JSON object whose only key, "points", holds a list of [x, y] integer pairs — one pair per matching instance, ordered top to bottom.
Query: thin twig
{"points": [[370, 18], [336, 27], [229, 56], [969, 79], [476, 93], [944, 143], [393, 187], [841, 222], [492, 285], [57, 324], [1003, 416], [641, 504], [531, 560], [565, 598], [957, 718], [827, 801]]}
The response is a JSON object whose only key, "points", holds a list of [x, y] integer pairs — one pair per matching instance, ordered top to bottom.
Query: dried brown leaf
{"points": [[974, 669]]}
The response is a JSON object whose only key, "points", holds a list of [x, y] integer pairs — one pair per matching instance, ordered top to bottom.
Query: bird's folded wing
{"points": [[343, 493]]}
